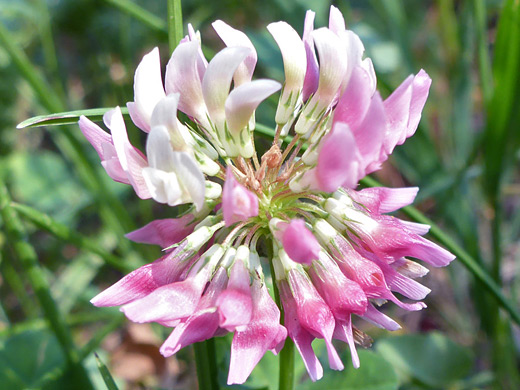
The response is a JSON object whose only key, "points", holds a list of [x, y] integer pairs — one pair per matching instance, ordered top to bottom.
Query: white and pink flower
{"points": [[334, 252]]}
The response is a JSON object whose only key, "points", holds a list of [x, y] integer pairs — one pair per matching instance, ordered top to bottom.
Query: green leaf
{"points": [[67, 118], [26, 359], [432, 359], [375, 373]]}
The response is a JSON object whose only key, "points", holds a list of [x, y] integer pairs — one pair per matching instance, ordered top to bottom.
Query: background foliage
{"points": [[63, 221]]}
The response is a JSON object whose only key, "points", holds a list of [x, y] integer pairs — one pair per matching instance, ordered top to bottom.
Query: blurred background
{"points": [[62, 235]]}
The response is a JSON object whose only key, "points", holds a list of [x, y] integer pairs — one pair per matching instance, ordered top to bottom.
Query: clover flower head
{"points": [[296, 210]]}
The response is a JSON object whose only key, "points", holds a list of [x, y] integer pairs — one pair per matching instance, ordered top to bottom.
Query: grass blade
{"points": [[141, 14], [67, 118], [62, 232], [107, 377]]}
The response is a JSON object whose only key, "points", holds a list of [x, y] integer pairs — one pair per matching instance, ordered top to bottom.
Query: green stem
{"points": [[175, 30], [484, 62], [471, 264], [36, 276], [286, 355], [207, 373], [286, 377]]}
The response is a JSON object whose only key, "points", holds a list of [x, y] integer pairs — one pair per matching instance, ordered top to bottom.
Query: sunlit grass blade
{"points": [[141, 14], [67, 118], [29, 260], [105, 374]]}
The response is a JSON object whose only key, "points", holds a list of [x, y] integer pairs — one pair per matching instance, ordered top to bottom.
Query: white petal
{"points": [[336, 20], [233, 37], [293, 53], [333, 62], [217, 80], [148, 87], [243, 101], [165, 114], [114, 121], [159, 150], [190, 177], [163, 186]]}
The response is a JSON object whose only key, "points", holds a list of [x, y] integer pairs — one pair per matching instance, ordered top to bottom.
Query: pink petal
{"points": [[182, 76], [148, 88], [355, 101], [403, 108], [94, 134], [370, 134], [131, 159], [338, 160], [136, 163], [385, 200], [238, 203], [164, 232], [390, 238], [299, 243], [141, 282], [343, 296], [170, 302], [235, 303], [314, 314], [379, 319], [203, 324], [264, 332], [343, 332], [301, 337]]}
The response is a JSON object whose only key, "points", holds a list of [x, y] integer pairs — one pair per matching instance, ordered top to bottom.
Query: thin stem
{"points": [[175, 30], [484, 62], [289, 147], [286, 355], [205, 361]]}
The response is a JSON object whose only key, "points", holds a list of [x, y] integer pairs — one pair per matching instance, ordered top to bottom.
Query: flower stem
{"points": [[175, 30], [286, 355], [205, 361], [286, 378]]}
